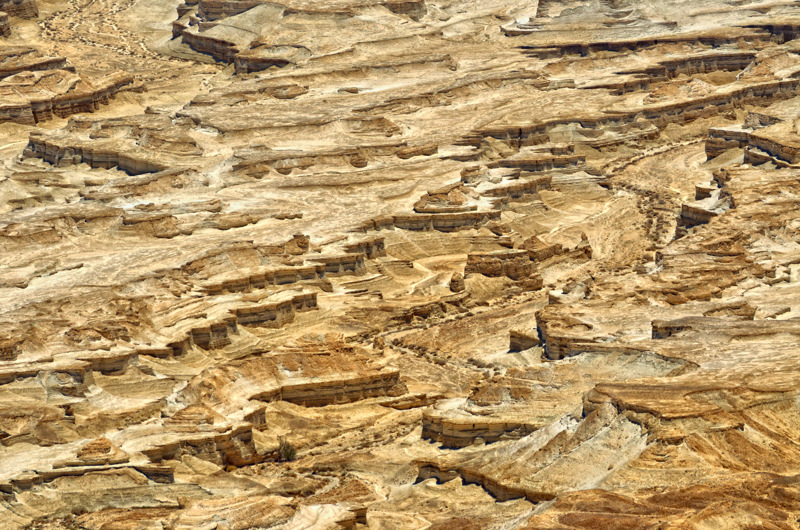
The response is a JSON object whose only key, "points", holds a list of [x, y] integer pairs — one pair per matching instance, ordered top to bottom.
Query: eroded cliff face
{"points": [[409, 264]]}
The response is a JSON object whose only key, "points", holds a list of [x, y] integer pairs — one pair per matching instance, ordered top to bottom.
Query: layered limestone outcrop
{"points": [[256, 36], [18, 59], [32, 97], [765, 136], [136, 145], [444, 222], [399, 264], [515, 264], [318, 378]]}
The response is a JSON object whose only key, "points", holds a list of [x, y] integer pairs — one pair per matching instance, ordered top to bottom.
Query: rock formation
{"points": [[20, 8], [5, 25], [31, 97], [399, 264]]}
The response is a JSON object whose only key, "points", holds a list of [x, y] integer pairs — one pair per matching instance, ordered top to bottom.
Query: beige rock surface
{"points": [[423, 264]]}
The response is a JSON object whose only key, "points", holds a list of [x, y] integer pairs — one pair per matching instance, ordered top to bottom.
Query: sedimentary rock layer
{"points": [[399, 264]]}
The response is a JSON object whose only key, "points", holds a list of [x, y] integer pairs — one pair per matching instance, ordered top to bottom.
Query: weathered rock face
{"points": [[20, 8], [5, 25], [256, 35], [18, 59], [31, 97], [135, 145], [399, 264], [514, 264], [457, 282]]}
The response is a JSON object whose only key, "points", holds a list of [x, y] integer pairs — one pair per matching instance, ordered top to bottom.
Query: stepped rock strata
{"points": [[18, 59], [44, 100], [399, 264]]}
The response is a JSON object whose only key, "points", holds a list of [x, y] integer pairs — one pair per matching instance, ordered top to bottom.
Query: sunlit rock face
{"points": [[399, 264]]}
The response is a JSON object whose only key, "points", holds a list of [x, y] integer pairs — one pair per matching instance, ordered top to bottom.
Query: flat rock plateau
{"points": [[399, 264]]}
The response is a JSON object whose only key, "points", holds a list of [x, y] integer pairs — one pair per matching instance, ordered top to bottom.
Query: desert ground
{"points": [[399, 264]]}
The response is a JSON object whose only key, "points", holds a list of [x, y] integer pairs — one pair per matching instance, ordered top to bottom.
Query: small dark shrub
{"points": [[286, 451]]}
